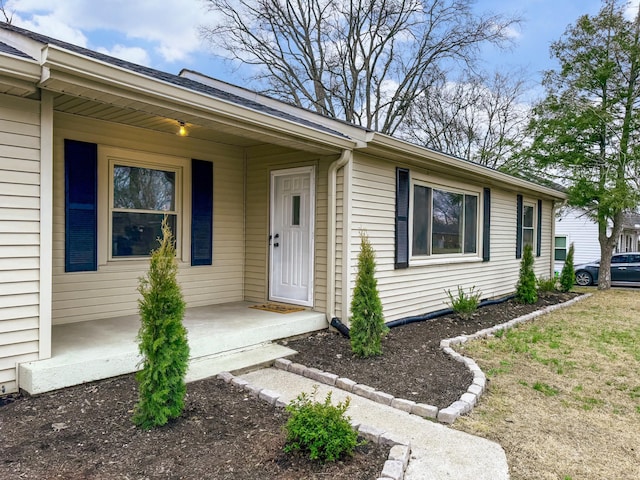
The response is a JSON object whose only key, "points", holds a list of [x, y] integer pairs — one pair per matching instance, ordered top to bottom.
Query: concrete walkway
{"points": [[437, 452]]}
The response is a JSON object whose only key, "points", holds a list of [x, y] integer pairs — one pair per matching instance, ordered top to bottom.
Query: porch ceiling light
{"points": [[182, 130]]}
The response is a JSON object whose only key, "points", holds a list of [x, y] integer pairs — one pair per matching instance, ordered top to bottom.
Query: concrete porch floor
{"points": [[221, 337]]}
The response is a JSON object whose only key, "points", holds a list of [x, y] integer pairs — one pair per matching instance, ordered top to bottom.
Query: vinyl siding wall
{"points": [[260, 163], [582, 232], [19, 235], [421, 288], [111, 291]]}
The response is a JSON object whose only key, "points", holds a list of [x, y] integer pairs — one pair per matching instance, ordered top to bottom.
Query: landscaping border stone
{"points": [[448, 415]]}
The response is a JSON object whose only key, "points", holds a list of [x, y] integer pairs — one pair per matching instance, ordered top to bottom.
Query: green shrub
{"points": [[567, 276], [546, 285], [526, 288], [464, 304], [367, 321], [162, 339], [321, 430]]}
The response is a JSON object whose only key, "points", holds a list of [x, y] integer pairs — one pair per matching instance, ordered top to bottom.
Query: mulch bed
{"points": [[412, 365], [85, 432]]}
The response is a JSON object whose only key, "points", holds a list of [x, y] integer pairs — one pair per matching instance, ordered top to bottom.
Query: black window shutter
{"points": [[81, 200], [201, 212], [402, 218], [486, 226], [519, 226], [539, 231]]}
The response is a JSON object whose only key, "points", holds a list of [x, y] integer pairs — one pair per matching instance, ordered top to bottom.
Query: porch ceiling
{"points": [[137, 109], [197, 127]]}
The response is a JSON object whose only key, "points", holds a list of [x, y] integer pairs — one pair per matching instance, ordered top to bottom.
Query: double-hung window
{"points": [[141, 197], [445, 221], [528, 222], [560, 249]]}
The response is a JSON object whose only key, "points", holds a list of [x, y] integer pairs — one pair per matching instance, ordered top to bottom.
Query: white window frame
{"points": [[111, 209], [532, 228], [556, 248], [458, 257]]}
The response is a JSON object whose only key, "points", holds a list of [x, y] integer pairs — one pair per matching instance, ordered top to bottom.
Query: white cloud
{"points": [[169, 26], [52, 27], [131, 54]]}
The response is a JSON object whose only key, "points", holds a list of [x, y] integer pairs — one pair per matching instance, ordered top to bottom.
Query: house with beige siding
{"points": [[267, 202]]}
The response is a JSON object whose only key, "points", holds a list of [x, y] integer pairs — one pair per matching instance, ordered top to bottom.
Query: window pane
{"points": [[143, 188], [295, 207], [527, 217], [420, 220], [447, 222], [470, 223], [136, 234], [527, 237], [561, 242], [561, 254], [620, 259]]}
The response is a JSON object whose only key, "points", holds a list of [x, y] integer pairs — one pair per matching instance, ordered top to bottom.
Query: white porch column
{"points": [[46, 222]]}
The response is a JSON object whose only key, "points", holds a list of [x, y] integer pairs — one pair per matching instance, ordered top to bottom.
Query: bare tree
{"points": [[8, 16], [364, 61], [478, 118]]}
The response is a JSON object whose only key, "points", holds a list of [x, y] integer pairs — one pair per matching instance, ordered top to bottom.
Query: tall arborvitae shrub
{"points": [[567, 275], [526, 291], [367, 321], [162, 339]]}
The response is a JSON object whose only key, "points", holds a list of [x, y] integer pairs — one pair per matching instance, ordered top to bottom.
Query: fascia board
{"points": [[61, 65], [19, 68], [19, 73], [407, 152]]}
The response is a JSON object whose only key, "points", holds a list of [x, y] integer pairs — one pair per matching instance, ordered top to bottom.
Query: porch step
{"points": [[221, 334], [241, 359], [47, 375]]}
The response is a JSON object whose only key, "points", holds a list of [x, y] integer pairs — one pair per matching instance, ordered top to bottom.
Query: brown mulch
{"points": [[412, 365], [85, 432]]}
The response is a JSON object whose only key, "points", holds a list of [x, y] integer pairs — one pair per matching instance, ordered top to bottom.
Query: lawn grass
{"points": [[564, 391]]}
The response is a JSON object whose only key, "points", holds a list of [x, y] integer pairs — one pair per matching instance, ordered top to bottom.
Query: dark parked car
{"points": [[625, 270]]}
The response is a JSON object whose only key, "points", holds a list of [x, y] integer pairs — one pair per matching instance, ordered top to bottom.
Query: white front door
{"points": [[291, 236]]}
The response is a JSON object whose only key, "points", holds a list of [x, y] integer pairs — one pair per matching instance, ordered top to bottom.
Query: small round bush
{"points": [[464, 304], [321, 430]]}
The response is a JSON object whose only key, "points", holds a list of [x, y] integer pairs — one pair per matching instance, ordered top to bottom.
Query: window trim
{"points": [[106, 154], [178, 201], [533, 227], [556, 248], [447, 258]]}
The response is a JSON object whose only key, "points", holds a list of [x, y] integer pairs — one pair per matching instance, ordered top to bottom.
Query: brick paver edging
{"points": [[446, 415], [400, 450]]}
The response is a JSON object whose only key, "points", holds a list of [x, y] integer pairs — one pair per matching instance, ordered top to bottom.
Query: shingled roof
{"points": [[4, 48], [167, 77]]}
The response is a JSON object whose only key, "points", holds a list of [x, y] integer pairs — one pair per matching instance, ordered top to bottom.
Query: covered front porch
{"points": [[222, 337]]}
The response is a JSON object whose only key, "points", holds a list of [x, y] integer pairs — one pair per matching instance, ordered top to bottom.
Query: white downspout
{"points": [[344, 159]]}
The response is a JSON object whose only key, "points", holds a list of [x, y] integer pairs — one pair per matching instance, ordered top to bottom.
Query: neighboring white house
{"points": [[266, 200], [574, 226], [629, 240]]}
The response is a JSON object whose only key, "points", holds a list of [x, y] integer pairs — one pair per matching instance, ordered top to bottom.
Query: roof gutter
{"points": [[62, 67], [20, 73], [403, 151], [345, 158]]}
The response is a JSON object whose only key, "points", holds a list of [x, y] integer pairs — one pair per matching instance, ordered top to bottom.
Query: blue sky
{"points": [[164, 33]]}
